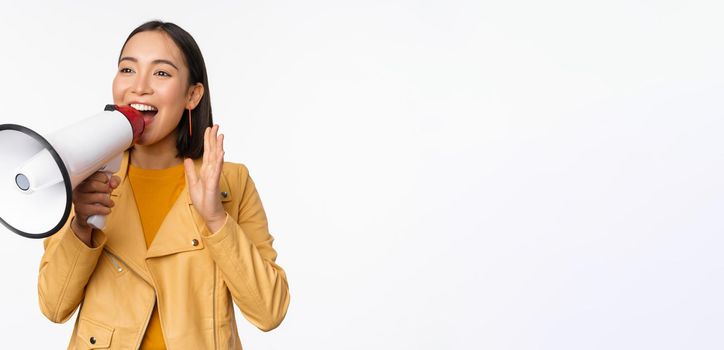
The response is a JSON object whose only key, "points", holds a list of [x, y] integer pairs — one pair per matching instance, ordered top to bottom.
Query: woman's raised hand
{"points": [[204, 186]]}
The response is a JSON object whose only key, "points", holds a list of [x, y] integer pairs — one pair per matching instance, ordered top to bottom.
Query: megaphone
{"points": [[38, 175]]}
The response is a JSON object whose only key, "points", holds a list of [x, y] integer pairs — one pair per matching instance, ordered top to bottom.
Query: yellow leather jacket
{"points": [[191, 272]]}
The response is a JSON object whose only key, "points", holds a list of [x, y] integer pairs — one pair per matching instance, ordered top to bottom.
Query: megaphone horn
{"points": [[38, 175]]}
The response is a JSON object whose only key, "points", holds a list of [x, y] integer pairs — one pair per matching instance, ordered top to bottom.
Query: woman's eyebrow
{"points": [[156, 61]]}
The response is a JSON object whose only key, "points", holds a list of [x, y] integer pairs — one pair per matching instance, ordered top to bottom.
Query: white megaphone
{"points": [[38, 175]]}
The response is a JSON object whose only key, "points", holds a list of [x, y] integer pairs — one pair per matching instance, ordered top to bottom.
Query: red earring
{"points": [[190, 132]]}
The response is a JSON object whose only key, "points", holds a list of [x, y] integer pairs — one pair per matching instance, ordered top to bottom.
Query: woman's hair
{"points": [[186, 146]]}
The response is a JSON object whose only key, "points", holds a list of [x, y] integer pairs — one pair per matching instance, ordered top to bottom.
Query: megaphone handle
{"points": [[99, 221]]}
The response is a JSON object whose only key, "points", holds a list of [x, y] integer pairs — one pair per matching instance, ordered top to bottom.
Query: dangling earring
{"points": [[190, 132]]}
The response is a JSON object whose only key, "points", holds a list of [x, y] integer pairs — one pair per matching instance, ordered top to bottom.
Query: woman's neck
{"points": [[160, 155]]}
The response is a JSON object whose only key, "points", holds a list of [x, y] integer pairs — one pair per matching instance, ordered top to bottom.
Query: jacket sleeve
{"points": [[243, 253], [65, 269]]}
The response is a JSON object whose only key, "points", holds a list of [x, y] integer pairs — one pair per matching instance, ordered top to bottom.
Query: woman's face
{"points": [[153, 78]]}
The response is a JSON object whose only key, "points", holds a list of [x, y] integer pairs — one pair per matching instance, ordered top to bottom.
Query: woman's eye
{"points": [[125, 70], [163, 74]]}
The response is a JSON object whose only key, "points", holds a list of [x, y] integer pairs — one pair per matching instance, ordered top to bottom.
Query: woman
{"points": [[186, 233]]}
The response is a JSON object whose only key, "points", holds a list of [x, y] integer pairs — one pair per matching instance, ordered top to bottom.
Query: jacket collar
{"points": [[223, 184], [179, 232]]}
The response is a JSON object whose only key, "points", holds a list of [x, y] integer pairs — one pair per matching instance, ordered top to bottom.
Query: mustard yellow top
{"points": [[155, 191]]}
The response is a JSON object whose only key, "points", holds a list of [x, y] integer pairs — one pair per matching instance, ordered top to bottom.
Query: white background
{"points": [[437, 174]]}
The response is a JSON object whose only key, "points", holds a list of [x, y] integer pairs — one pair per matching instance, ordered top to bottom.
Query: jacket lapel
{"points": [[124, 231], [178, 232]]}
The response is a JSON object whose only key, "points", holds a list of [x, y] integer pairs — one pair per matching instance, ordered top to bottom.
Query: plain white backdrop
{"points": [[437, 174]]}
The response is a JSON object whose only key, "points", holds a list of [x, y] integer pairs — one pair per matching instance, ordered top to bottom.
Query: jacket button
{"points": [[224, 194], [194, 242], [93, 340]]}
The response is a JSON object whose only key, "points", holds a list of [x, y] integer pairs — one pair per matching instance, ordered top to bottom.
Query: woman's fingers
{"points": [[212, 139], [207, 145], [220, 146], [213, 150], [220, 153], [217, 156], [190, 171], [98, 176], [115, 181], [98, 182], [93, 186], [97, 198], [81, 200], [85, 207], [89, 209]]}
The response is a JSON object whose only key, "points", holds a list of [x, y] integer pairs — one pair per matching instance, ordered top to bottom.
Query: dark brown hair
{"points": [[201, 118]]}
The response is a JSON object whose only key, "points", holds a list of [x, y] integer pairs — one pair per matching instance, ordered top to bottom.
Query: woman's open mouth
{"points": [[147, 111]]}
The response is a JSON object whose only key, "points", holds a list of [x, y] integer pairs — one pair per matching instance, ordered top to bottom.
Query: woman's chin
{"points": [[144, 140]]}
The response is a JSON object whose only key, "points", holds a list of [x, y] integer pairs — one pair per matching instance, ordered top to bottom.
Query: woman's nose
{"points": [[141, 85]]}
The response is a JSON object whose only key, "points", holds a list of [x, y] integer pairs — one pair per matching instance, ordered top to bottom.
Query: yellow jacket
{"points": [[191, 272]]}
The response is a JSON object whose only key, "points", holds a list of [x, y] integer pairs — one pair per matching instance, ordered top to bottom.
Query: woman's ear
{"points": [[196, 92]]}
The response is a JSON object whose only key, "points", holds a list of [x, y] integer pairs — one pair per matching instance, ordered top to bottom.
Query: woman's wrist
{"points": [[216, 223], [84, 234]]}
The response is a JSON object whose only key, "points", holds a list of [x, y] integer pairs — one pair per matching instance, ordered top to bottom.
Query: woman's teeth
{"points": [[143, 108]]}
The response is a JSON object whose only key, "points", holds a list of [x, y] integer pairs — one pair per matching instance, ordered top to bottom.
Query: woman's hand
{"points": [[204, 187], [92, 197]]}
